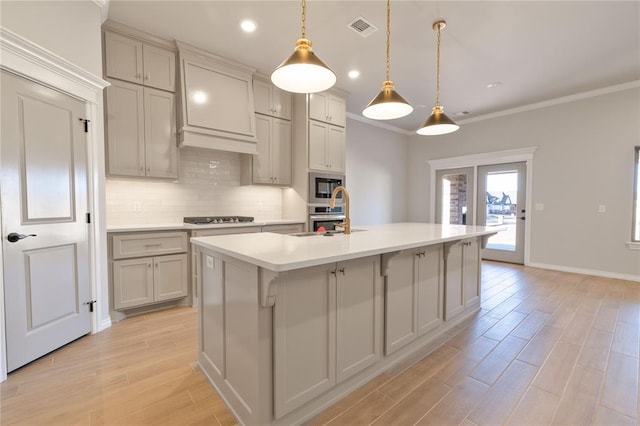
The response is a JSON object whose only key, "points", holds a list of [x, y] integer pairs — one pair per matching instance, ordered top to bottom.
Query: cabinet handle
{"points": [[139, 75], [148, 76], [142, 169], [149, 266], [342, 271], [333, 272]]}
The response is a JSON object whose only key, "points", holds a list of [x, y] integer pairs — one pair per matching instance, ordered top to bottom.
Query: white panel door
{"points": [[318, 146], [335, 149], [161, 150], [281, 151], [262, 161], [43, 187]]}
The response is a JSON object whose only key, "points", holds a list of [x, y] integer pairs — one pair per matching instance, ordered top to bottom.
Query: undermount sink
{"points": [[325, 234]]}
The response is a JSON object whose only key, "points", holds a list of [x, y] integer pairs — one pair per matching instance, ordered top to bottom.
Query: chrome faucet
{"points": [[347, 221]]}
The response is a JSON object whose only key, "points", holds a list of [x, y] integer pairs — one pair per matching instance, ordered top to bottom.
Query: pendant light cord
{"points": [[304, 19], [388, 37], [438, 67]]}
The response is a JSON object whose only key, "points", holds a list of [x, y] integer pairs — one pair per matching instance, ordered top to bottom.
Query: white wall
{"points": [[70, 29], [585, 159], [376, 173], [208, 184]]}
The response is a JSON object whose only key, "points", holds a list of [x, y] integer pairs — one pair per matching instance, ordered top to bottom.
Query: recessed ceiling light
{"points": [[248, 26], [354, 74], [494, 84]]}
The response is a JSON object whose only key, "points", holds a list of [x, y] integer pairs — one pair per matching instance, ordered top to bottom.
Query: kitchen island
{"points": [[290, 324]]}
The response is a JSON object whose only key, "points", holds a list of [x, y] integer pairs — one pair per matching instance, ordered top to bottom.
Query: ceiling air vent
{"points": [[362, 27]]}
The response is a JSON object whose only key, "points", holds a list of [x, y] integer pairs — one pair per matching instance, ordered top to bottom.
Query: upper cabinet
{"points": [[138, 62], [269, 100], [216, 102], [328, 107], [141, 135]]}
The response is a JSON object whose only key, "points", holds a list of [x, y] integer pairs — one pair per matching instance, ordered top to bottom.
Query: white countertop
{"points": [[189, 226], [287, 252]]}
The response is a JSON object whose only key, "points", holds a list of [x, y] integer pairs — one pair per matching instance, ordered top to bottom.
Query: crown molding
{"points": [[104, 9], [552, 102], [380, 124]]}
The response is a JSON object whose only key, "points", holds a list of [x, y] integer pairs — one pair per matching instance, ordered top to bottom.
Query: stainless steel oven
{"points": [[321, 185], [325, 217]]}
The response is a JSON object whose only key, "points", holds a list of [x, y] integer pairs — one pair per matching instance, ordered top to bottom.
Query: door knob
{"points": [[522, 218], [15, 237]]}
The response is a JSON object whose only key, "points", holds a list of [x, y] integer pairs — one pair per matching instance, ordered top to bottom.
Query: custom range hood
{"points": [[215, 102]]}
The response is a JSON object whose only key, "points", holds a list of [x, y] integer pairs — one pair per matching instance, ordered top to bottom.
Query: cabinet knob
{"points": [[139, 75], [148, 76]]}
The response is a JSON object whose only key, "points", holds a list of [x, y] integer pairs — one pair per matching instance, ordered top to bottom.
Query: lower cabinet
{"points": [[284, 229], [148, 268], [462, 277], [147, 280], [413, 295], [326, 327]]}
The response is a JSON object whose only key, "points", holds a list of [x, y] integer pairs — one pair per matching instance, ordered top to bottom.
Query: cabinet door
{"points": [[123, 57], [159, 67], [262, 98], [281, 102], [318, 106], [337, 111], [125, 129], [318, 145], [335, 148], [161, 150], [281, 151], [261, 162], [471, 267], [170, 277], [132, 282], [429, 283], [454, 294], [401, 301], [358, 316], [304, 337]]}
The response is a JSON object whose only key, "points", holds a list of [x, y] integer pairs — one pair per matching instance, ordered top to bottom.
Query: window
{"points": [[636, 197]]}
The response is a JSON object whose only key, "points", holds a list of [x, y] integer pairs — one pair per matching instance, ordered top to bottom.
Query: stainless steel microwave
{"points": [[321, 185]]}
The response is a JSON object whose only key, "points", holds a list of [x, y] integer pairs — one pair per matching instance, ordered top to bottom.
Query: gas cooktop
{"points": [[205, 220]]}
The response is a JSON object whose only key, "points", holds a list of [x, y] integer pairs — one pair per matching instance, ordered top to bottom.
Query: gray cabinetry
{"points": [[138, 62], [141, 131], [326, 147], [148, 268], [462, 277], [413, 295], [326, 328]]}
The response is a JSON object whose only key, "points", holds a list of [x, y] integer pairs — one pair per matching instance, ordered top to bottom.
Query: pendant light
{"points": [[303, 71], [388, 104], [438, 123]]}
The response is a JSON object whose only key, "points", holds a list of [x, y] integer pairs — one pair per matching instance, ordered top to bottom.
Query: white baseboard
{"points": [[583, 271], [106, 323]]}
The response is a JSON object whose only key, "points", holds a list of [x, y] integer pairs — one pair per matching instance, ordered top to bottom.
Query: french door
{"points": [[501, 200]]}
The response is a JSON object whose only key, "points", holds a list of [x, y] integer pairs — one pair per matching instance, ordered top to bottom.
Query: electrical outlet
{"points": [[136, 206], [539, 206], [260, 207], [602, 208]]}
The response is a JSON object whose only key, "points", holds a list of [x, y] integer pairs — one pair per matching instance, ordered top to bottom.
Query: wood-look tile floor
{"points": [[546, 348]]}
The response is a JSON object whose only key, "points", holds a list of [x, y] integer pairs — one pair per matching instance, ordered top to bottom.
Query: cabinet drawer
{"points": [[226, 231], [138, 245]]}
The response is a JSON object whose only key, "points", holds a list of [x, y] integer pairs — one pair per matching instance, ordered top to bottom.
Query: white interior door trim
{"points": [[29, 60], [484, 159]]}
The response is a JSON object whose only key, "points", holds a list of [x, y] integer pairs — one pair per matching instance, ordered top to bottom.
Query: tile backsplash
{"points": [[208, 184]]}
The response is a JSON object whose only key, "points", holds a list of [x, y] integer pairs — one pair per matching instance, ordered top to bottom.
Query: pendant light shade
{"points": [[303, 71], [388, 104], [438, 123]]}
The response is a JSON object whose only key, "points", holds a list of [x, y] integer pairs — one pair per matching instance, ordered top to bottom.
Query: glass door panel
{"points": [[454, 196], [501, 200]]}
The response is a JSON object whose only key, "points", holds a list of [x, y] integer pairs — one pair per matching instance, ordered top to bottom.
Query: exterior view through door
{"points": [[43, 188], [500, 199]]}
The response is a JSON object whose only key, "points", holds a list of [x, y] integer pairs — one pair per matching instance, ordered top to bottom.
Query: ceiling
{"points": [[538, 50]]}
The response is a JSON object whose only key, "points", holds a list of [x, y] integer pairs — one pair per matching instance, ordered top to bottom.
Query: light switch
{"points": [[539, 206], [602, 208], [209, 262]]}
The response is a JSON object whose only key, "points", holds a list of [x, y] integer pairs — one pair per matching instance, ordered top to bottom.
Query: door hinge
{"points": [[86, 124], [88, 217], [90, 303]]}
